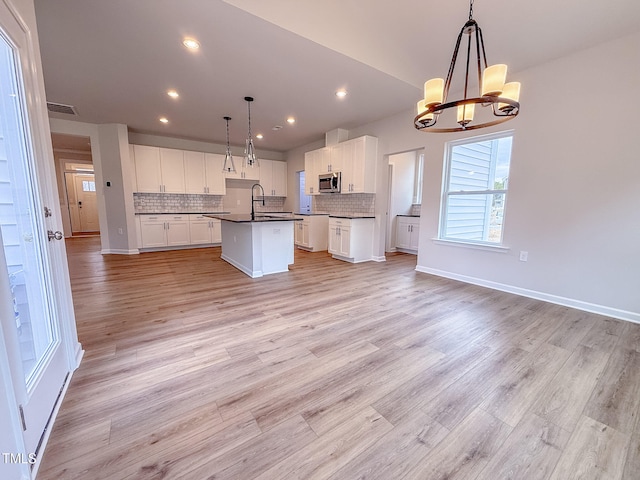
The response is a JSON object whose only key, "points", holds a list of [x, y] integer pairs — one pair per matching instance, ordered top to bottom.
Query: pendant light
{"points": [[492, 90], [250, 159], [229, 166]]}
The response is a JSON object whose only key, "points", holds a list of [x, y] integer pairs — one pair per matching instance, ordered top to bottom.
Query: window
{"points": [[88, 186], [475, 189]]}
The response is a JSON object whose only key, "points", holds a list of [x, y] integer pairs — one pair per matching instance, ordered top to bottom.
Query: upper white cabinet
{"points": [[356, 159], [313, 161], [359, 165], [172, 169], [159, 170], [245, 172], [203, 173], [273, 178]]}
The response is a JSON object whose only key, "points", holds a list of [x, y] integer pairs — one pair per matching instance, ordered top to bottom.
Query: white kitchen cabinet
{"points": [[358, 161], [313, 162], [172, 169], [159, 170], [203, 173], [244, 173], [273, 178], [164, 230], [204, 230], [312, 233], [407, 233], [351, 239]]}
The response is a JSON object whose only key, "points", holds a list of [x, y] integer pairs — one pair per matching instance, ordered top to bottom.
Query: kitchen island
{"points": [[259, 244]]}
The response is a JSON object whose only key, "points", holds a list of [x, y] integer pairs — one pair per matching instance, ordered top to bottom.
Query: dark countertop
{"points": [[181, 213], [307, 214], [415, 216], [259, 217], [352, 217]]}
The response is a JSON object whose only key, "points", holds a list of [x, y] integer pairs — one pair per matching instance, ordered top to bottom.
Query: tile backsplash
{"points": [[176, 203], [271, 204], [340, 204], [415, 209]]}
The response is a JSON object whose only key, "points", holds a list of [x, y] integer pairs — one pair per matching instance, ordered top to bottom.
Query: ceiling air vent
{"points": [[61, 108]]}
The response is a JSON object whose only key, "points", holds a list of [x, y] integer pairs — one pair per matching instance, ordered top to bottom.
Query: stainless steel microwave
{"points": [[329, 183]]}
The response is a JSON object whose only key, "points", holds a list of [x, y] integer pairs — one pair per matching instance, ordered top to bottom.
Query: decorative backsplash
{"points": [[176, 203], [271, 204], [337, 204], [415, 209]]}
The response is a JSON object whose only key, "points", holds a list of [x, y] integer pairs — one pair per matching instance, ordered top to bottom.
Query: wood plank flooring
{"points": [[335, 371]]}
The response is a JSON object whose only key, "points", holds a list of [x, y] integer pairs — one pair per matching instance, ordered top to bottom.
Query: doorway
{"points": [[304, 200], [82, 201]]}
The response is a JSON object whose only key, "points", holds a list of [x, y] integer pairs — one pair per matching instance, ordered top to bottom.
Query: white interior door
{"points": [[87, 202], [36, 341]]}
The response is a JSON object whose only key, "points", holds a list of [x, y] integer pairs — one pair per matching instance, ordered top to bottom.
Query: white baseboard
{"points": [[120, 251], [379, 259], [242, 268], [547, 297]]}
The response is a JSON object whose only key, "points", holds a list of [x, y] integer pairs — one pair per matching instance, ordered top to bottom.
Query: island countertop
{"points": [[259, 217]]}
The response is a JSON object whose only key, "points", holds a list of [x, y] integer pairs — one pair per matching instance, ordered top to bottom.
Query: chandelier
{"points": [[493, 92], [250, 159], [229, 166]]}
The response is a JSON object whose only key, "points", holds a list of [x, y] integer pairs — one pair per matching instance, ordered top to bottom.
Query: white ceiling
{"points": [[114, 60]]}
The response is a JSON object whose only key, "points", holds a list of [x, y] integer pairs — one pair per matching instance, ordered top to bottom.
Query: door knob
{"points": [[54, 235]]}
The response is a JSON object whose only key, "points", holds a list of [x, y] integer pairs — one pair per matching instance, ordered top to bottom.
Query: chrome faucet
{"points": [[253, 213]]}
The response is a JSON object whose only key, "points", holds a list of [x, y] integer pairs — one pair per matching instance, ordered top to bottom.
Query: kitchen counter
{"points": [[181, 213], [308, 214], [353, 216], [412, 216], [259, 217], [258, 245]]}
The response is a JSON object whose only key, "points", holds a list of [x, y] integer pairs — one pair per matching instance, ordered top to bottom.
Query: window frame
{"points": [[446, 193]]}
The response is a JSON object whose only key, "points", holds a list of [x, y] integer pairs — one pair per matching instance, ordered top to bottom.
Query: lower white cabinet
{"points": [[164, 230], [178, 230], [204, 230], [312, 233], [407, 233], [351, 239]]}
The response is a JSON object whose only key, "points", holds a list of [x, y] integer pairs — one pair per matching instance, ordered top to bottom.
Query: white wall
{"points": [[574, 197]]}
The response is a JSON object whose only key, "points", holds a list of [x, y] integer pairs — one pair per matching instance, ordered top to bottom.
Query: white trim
{"points": [[474, 245], [120, 251], [376, 258], [242, 268], [546, 297]]}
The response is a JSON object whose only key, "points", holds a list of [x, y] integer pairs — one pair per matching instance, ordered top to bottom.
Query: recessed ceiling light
{"points": [[191, 43], [341, 93], [173, 94], [164, 120], [291, 120], [275, 128], [259, 136]]}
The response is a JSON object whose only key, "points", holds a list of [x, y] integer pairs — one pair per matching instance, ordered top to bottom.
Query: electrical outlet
{"points": [[120, 231], [524, 256]]}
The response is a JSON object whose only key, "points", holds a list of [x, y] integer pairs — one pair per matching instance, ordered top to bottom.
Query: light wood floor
{"points": [[335, 371]]}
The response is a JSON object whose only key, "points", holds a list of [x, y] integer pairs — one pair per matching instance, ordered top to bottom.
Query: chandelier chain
{"points": [[471, 9]]}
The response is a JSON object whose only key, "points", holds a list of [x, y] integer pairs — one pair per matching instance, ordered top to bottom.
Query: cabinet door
{"points": [[337, 157], [147, 165], [363, 165], [172, 167], [194, 172], [252, 173], [310, 173], [266, 177], [215, 178], [279, 179], [178, 231], [216, 231], [199, 232], [153, 233], [297, 233], [403, 233], [305, 234], [415, 235], [334, 239], [345, 241]]}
